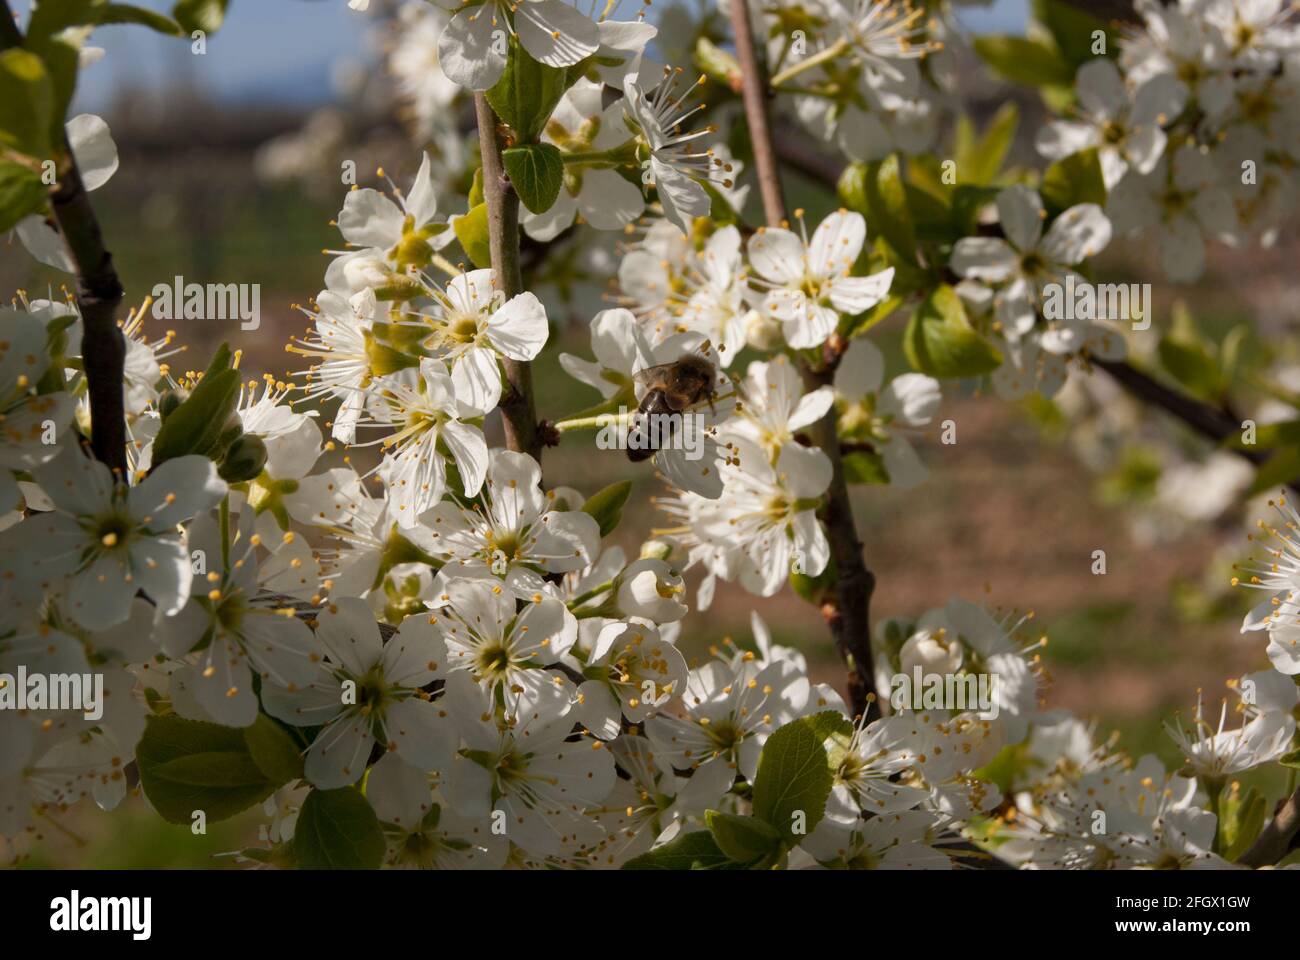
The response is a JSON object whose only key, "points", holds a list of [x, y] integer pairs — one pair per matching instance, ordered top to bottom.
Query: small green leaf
{"points": [[129, 13], [205, 15], [1073, 29], [1021, 60], [719, 65], [527, 92], [26, 103], [981, 161], [537, 172], [1076, 179], [476, 188], [876, 191], [21, 193], [967, 202], [472, 232], [940, 341], [1190, 365], [200, 423], [865, 467], [1279, 470], [607, 505], [815, 589], [829, 723], [274, 750], [188, 765], [793, 780], [1241, 819], [338, 830], [743, 839], [690, 851]]}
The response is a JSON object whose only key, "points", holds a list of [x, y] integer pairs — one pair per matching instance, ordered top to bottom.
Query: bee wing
{"points": [[652, 375]]}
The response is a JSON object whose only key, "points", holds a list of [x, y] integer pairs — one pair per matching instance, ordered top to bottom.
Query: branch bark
{"points": [[99, 294], [518, 413], [848, 613], [1275, 841]]}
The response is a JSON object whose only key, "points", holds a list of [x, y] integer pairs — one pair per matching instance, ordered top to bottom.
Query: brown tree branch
{"points": [[99, 294], [517, 411], [848, 612], [1276, 839]]}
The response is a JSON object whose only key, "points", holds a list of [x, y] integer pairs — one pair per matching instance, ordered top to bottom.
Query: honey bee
{"points": [[671, 389]]}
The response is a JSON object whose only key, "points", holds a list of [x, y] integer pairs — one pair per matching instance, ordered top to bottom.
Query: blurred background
{"points": [[229, 173]]}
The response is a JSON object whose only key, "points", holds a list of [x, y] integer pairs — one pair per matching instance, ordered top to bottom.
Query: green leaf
{"points": [[129, 13], [205, 15], [51, 18], [1072, 29], [1021, 60], [719, 65], [527, 92], [26, 103], [979, 162], [537, 173], [1076, 179], [476, 188], [876, 190], [21, 193], [967, 202], [472, 232], [857, 326], [940, 341], [1190, 357], [1190, 364], [199, 424], [1268, 436], [865, 467], [1279, 470], [607, 505], [815, 589], [829, 723], [274, 750], [1291, 759], [188, 765], [793, 778], [1241, 818], [338, 830], [743, 839], [690, 851]]}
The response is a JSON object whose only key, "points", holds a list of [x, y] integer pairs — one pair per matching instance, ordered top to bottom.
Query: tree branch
{"points": [[99, 294], [518, 413], [848, 614], [1275, 841]]}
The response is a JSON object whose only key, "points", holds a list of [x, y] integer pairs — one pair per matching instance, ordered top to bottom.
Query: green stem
{"points": [[816, 60], [592, 423], [591, 594]]}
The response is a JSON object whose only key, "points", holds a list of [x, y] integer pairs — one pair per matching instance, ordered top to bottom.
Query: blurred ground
{"points": [[1007, 515]]}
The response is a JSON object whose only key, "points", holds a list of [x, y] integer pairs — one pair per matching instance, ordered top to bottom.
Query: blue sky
{"points": [[283, 51]]}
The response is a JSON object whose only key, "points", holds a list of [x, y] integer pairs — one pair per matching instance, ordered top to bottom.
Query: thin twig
{"points": [[755, 92], [518, 413], [848, 613]]}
